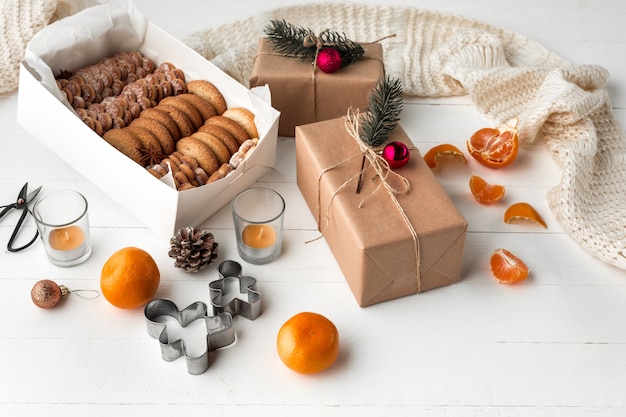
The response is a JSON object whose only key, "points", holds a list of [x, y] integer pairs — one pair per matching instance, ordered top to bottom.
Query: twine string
{"points": [[382, 171]]}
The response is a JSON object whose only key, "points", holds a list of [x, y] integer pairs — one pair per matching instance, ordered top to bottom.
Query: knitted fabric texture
{"points": [[20, 20], [505, 74]]}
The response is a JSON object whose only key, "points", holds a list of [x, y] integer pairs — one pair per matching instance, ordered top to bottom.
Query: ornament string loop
{"points": [[86, 293]]}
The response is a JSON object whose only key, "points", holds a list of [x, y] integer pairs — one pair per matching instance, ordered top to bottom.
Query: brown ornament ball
{"points": [[47, 294]]}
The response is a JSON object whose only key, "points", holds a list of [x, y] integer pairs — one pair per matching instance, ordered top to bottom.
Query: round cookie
{"points": [[209, 92], [203, 107], [190, 111], [164, 118], [245, 118], [185, 126], [230, 126], [159, 130], [222, 134], [124, 142], [150, 146], [217, 146], [201, 152]]}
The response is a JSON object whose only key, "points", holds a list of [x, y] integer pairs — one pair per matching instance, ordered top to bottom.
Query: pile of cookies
{"points": [[156, 118]]}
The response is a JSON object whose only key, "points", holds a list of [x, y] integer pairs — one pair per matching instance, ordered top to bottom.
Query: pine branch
{"points": [[287, 39], [301, 43], [350, 51], [383, 115]]}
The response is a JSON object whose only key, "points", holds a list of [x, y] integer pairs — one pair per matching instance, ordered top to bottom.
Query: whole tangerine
{"points": [[129, 278], [308, 343]]}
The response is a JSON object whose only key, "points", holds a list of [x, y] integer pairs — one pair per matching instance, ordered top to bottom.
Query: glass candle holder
{"points": [[258, 217], [63, 223]]}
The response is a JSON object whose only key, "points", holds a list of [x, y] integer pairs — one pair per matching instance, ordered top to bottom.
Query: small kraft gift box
{"points": [[305, 94], [387, 245]]}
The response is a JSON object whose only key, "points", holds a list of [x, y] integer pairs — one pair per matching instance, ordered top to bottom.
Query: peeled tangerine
{"points": [[495, 147], [507, 268]]}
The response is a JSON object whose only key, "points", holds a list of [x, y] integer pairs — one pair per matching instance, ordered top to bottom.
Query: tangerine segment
{"points": [[495, 148], [444, 150], [484, 192], [523, 212], [507, 268], [308, 343]]}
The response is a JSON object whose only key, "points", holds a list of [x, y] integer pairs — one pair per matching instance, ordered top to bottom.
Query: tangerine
{"points": [[494, 147], [444, 150], [484, 192], [523, 212], [507, 268], [129, 278], [308, 343]]}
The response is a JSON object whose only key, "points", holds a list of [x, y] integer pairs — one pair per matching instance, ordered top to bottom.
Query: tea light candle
{"points": [[258, 218], [63, 224], [259, 236], [66, 238]]}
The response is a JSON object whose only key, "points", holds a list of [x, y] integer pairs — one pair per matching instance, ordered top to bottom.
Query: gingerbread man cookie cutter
{"points": [[250, 309], [219, 328]]}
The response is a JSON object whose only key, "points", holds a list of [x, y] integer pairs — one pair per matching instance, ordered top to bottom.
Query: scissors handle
{"points": [[6, 209], [16, 231]]}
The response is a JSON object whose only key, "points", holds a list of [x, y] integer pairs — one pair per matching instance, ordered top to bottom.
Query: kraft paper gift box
{"points": [[101, 31], [304, 94], [374, 245]]}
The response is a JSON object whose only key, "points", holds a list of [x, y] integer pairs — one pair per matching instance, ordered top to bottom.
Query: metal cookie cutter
{"points": [[231, 270], [220, 331]]}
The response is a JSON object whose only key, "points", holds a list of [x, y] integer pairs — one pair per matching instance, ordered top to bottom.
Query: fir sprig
{"points": [[302, 43], [383, 115]]}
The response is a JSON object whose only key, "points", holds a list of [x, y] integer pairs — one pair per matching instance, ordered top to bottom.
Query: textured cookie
{"points": [[209, 92], [203, 106], [187, 108], [164, 118], [245, 118], [185, 126], [231, 127], [159, 130], [222, 134], [124, 142], [217, 146], [151, 150], [201, 152]]}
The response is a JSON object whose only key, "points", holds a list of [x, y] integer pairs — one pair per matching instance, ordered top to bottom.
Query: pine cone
{"points": [[193, 249]]}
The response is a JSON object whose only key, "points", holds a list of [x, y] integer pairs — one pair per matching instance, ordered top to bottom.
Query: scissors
{"points": [[23, 198]]}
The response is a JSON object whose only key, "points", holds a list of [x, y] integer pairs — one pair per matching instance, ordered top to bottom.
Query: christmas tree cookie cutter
{"points": [[250, 309], [219, 328]]}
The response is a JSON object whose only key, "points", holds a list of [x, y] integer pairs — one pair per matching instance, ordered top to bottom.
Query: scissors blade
{"points": [[22, 194], [32, 194]]}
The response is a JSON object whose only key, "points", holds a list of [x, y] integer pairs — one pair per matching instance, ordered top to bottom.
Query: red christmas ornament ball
{"points": [[328, 60], [396, 154]]}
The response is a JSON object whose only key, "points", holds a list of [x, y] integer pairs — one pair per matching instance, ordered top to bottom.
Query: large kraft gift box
{"points": [[304, 94], [374, 245]]}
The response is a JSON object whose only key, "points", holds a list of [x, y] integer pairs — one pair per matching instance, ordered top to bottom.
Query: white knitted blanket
{"points": [[20, 20], [505, 74]]}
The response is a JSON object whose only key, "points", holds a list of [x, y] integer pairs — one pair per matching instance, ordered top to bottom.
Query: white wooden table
{"points": [[552, 346]]}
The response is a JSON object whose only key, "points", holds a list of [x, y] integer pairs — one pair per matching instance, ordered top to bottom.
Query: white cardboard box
{"points": [[102, 31]]}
